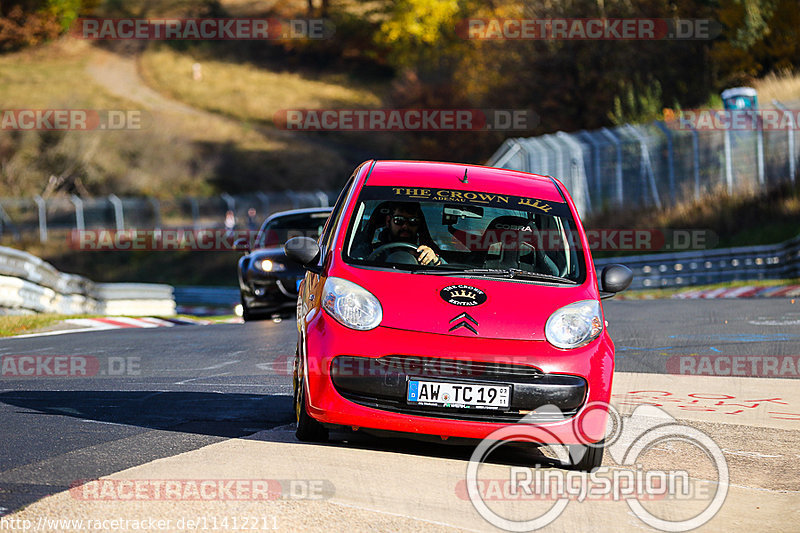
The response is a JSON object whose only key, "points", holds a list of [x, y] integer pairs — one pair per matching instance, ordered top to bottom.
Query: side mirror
{"points": [[241, 245], [304, 251], [614, 279]]}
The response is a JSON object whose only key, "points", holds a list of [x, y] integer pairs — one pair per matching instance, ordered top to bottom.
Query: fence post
{"points": [[792, 126], [614, 139], [548, 141], [759, 146], [513, 147], [696, 156], [728, 157], [544, 158], [670, 158], [596, 160], [645, 167], [577, 172], [293, 197], [264, 199], [229, 200], [40, 203], [78, 203], [156, 212], [195, 212], [118, 215], [5, 222]]}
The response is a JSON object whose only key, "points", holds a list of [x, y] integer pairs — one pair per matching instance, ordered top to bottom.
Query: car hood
{"points": [[468, 307]]}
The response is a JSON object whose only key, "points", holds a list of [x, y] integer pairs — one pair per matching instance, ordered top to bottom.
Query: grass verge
{"points": [[245, 91], [21, 324]]}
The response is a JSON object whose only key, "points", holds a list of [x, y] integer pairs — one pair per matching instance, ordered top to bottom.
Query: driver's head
{"points": [[404, 221]]}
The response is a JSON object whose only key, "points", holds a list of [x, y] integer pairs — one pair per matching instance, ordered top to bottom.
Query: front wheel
{"points": [[247, 315], [308, 429], [585, 458]]}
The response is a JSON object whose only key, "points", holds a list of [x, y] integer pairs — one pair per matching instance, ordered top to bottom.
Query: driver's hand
{"points": [[427, 255]]}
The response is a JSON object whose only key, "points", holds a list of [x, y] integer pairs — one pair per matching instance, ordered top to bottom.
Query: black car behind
{"points": [[268, 281]]}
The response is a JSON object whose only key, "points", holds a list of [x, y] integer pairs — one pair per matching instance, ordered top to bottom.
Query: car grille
{"points": [[381, 383]]}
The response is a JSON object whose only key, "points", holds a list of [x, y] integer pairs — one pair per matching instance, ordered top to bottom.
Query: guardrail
{"points": [[20, 216], [776, 261], [679, 269], [29, 284], [208, 296]]}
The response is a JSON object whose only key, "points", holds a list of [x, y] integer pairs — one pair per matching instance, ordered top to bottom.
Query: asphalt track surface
{"points": [[159, 393]]}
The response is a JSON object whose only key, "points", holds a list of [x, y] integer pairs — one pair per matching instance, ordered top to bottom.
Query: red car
{"points": [[449, 300]]}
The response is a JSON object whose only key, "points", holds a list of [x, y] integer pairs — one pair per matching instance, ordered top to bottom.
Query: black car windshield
{"points": [[278, 230], [474, 233]]}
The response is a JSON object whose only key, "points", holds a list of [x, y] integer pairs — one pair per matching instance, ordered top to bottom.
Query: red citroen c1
{"points": [[450, 300]]}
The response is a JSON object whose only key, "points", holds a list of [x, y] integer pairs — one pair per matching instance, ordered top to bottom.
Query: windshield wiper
{"points": [[449, 270], [508, 273], [526, 274]]}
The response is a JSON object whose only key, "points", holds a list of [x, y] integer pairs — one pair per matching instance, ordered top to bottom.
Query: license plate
{"points": [[461, 395]]}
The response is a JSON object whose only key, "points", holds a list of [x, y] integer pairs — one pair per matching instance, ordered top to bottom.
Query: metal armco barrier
{"points": [[20, 216], [777, 261], [28, 284], [207, 296]]}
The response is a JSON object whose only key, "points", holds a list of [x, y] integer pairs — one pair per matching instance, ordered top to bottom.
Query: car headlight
{"points": [[267, 265], [351, 305], [574, 325]]}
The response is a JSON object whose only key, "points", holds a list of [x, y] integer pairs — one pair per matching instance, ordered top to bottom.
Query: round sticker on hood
{"points": [[463, 295]]}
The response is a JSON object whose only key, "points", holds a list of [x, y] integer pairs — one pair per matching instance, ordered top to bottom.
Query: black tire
{"points": [[247, 315], [308, 429], [586, 458]]}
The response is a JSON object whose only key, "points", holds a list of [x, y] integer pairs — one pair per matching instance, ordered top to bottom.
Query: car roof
{"points": [[449, 175], [302, 211]]}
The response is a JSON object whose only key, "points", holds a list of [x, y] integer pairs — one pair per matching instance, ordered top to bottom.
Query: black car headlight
{"points": [[268, 265]]}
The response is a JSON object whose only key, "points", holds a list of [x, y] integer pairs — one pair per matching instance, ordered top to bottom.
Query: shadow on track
{"points": [[216, 414], [511, 454]]}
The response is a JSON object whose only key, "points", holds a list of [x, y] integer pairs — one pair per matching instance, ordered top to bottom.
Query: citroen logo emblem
{"points": [[465, 320]]}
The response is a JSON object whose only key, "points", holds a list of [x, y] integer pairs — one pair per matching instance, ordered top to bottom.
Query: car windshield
{"points": [[278, 230], [474, 233]]}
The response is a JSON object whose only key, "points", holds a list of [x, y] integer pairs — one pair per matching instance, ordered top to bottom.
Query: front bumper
{"points": [[265, 293], [572, 381]]}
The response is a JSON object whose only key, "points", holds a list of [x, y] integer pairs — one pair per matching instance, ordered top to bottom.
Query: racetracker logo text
{"points": [[205, 29], [587, 29], [70, 119], [405, 119], [67, 366], [201, 489]]}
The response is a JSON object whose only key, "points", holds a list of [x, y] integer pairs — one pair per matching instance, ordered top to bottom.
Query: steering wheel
{"points": [[406, 247]]}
